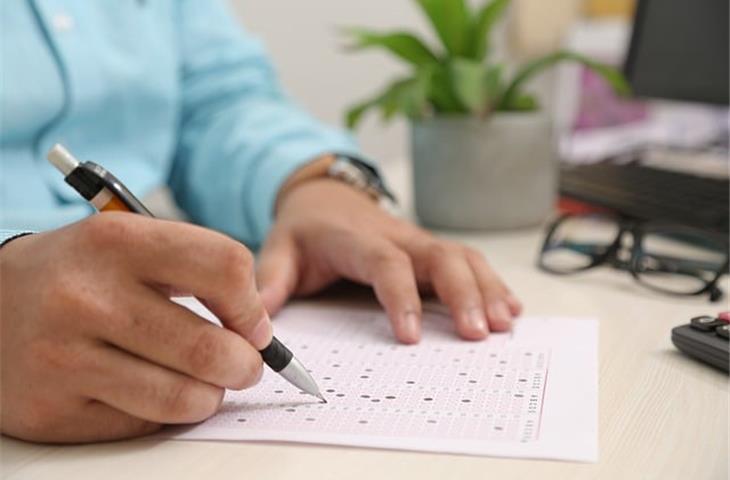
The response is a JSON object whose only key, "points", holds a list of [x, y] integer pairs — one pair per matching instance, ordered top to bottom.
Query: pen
{"points": [[106, 193]]}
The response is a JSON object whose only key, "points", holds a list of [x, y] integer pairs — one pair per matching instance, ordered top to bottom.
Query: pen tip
{"points": [[321, 397]]}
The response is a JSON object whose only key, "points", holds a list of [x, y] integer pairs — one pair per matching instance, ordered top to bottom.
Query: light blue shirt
{"points": [[157, 91]]}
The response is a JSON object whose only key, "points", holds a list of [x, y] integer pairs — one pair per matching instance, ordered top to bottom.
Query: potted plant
{"points": [[483, 151]]}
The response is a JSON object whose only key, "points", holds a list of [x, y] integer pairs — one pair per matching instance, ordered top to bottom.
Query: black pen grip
{"points": [[276, 355]]}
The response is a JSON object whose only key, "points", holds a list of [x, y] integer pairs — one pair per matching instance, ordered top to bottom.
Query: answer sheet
{"points": [[529, 393]]}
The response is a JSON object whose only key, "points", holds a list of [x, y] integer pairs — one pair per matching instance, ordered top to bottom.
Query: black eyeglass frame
{"points": [[638, 230]]}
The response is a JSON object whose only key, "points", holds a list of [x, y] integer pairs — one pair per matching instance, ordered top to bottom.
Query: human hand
{"points": [[326, 230], [93, 349]]}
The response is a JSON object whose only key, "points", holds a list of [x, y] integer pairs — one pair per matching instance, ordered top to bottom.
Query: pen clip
{"points": [[117, 188]]}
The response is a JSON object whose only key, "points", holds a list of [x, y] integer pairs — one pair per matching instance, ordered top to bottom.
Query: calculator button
{"points": [[724, 316], [706, 323], [723, 331]]}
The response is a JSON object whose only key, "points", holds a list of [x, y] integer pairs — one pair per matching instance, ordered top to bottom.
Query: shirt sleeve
{"points": [[240, 136], [8, 235]]}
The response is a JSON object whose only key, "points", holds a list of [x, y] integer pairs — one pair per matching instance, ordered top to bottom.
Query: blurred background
{"points": [[308, 51], [653, 166]]}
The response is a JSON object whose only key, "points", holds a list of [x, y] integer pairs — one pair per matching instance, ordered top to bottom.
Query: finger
{"points": [[192, 259], [385, 267], [277, 272], [394, 282], [456, 286], [501, 306], [170, 335], [148, 391], [97, 422]]}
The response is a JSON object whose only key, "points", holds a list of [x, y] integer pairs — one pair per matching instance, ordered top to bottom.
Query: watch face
{"points": [[360, 175]]}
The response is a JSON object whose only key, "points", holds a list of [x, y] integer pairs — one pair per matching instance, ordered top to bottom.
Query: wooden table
{"points": [[661, 414]]}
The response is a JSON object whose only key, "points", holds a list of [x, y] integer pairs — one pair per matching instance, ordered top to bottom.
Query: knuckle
{"points": [[103, 230], [438, 251], [474, 255], [390, 256], [238, 263], [204, 354], [250, 372], [212, 399], [179, 400], [191, 401]]}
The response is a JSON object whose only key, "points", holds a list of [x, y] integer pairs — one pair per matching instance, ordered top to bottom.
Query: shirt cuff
{"points": [[8, 235]]}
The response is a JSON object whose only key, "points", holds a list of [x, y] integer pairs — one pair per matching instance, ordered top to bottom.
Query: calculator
{"points": [[706, 339]]}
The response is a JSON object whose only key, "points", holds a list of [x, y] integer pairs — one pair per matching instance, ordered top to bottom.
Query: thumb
{"points": [[277, 272]]}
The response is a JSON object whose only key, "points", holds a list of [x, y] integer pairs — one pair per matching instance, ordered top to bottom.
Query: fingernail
{"points": [[515, 306], [499, 312], [477, 320], [411, 326], [261, 334]]}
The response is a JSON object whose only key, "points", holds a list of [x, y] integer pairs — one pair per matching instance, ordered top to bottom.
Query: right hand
{"points": [[93, 349]]}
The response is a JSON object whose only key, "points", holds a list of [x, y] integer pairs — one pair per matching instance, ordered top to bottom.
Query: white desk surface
{"points": [[661, 415]]}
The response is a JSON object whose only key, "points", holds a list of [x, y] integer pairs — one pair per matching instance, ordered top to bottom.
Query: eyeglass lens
{"points": [[679, 262]]}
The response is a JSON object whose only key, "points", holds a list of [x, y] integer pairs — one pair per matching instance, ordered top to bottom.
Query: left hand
{"points": [[326, 230]]}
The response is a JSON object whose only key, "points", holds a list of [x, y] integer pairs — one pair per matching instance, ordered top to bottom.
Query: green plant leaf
{"points": [[451, 19], [484, 20], [402, 44], [529, 70], [469, 82], [493, 83], [477, 88], [441, 94], [408, 96], [522, 103]]}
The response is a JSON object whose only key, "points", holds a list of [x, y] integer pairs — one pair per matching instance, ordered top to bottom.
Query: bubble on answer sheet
{"points": [[450, 389]]}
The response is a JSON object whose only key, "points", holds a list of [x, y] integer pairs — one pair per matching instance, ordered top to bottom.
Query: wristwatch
{"points": [[361, 176]]}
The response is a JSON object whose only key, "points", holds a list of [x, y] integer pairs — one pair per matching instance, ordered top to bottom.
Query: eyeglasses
{"points": [[671, 259]]}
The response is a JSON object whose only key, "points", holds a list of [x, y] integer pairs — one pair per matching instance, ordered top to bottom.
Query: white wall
{"points": [[303, 39]]}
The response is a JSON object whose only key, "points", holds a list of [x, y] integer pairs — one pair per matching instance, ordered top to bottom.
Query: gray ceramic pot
{"points": [[474, 174]]}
